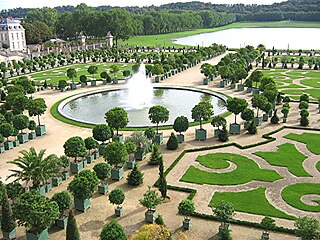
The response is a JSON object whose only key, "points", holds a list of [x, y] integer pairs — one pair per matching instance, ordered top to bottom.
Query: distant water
{"points": [[280, 38]]}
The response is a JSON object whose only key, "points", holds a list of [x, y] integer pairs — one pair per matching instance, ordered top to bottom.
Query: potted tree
{"points": [[114, 69], [93, 70], [72, 73], [104, 75], [256, 77], [83, 80], [62, 85], [258, 102], [236, 106], [37, 107], [266, 108], [285, 111], [201, 112], [158, 114], [247, 115], [117, 118], [21, 122], [218, 122], [181, 124], [32, 127], [6, 130], [15, 133], [101, 133], [173, 142], [90, 144], [142, 144], [74, 147], [131, 149], [116, 155], [66, 167], [103, 171], [135, 177], [82, 187], [14, 191], [117, 197], [150, 200], [64, 202], [186, 208], [224, 211], [36, 213], [267, 223], [8, 224], [113, 231]]}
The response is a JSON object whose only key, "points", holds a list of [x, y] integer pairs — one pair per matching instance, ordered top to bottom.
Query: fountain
{"points": [[139, 90]]}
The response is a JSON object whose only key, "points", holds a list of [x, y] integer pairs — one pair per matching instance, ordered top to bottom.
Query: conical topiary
{"points": [[172, 143], [156, 155], [135, 177], [162, 182], [7, 221], [72, 228]]}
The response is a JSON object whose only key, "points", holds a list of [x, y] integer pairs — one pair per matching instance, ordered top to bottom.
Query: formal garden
{"points": [[260, 158]]}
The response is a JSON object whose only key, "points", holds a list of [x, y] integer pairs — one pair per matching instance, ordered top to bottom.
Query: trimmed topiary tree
{"points": [[303, 105], [236, 106], [201, 112], [158, 114], [117, 118], [275, 119], [304, 120], [181, 124], [101, 133], [172, 143], [90, 144], [75, 147], [116, 155], [156, 155], [103, 171], [135, 177], [162, 182], [117, 197], [150, 200], [64, 202], [186, 208], [224, 211], [36, 213], [267, 223], [8, 224], [307, 228], [113, 231], [72, 232]]}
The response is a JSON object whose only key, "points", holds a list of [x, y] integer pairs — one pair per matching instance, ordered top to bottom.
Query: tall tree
{"points": [[162, 182], [72, 232]]}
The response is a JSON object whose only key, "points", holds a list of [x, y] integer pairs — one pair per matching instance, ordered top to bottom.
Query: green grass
{"points": [[166, 39], [60, 73], [312, 82], [291, 86], [314, 93], [312, 140], [286, 156], [209, 161], [318, 166], [247, 170], [292, 195], [253, 201]]}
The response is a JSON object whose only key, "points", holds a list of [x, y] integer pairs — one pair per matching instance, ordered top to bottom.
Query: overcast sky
{"points": [[6, 4]]}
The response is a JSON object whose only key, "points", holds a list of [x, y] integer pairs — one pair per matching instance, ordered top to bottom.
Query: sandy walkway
{"points": [[101, 212]]}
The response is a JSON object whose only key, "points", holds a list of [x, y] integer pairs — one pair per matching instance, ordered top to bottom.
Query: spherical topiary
{"points": [[304, 121], [172, 143], [116, 196], [113, 231]]}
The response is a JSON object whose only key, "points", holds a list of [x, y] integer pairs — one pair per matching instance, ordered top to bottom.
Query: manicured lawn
{"points": [[161, 40], [60, 73], [312, 82], [291, 86], [315, 92], [311, 139], [286, 156], [209, 161], [247, 171], [292, 195], [253, 201]]}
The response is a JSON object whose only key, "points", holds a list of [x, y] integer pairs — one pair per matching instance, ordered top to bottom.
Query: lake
{"points": [[280, 38]]}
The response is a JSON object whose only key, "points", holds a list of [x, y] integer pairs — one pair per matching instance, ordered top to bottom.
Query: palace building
{"points": [[12, 35]]}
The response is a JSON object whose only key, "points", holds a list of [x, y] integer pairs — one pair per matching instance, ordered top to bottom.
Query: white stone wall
{"points": [[13, 34]]}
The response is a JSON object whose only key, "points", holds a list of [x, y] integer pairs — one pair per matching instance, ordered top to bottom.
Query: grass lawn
{"points": [[161, 40], [60, 73], [312, 82], [291, 86], [314, 93], [311, 139], [286, 156], [209, 161], [318, 166], [247, 171], [292, 195], [253, 201]]}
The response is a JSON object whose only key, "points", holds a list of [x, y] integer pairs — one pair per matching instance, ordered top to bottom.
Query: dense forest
{"points": [[68, 21]]}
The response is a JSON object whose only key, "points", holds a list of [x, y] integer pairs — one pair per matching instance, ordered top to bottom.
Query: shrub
{"points": [[304, 97], [303, 105], [275, 118], [304, 121], [181, 124], [252, 129], [101, 132], [150, 133], [223, 135], [172, 143], [115, 154], [156, 155], [102, 170], [135, 177], [116, 196], [150, 199], [63, 200], [186, 207], [7, 220], [159, 220], [113, 231], [72, 232], [225, 234]]}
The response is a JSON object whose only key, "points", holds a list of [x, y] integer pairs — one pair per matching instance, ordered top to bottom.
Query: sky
{"points": [[7, 4]]}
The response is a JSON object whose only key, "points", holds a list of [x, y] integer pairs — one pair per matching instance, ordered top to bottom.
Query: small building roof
{"points": [[10, 24]]}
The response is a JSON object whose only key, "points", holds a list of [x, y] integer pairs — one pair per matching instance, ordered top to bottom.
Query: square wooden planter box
{"points": [[157, 79], [115, 81], [205, 81], [93, 83], [83, 84], [222, 84], [73, 86], [233, 86], [240, 87], [249, 90], [256, 91], [265, 117], [258, 121], [246, 125], [234, 128], [41, 130], [216, 133], [201, 134], [32, 135], [23, 138], [118, 138], [158, 138], [180, 138], [16, 143], [8, 145], [2, 149], [101, 149], [139, 154], [96, 155], [90, 158], [85, 163], [131, 164], [76, 167], [117, 174], [65, 175], [56, 181], [48, 186], [103, 189], [41, 190], [82, 205], [118, 211], [150, 216], [62, 222], [186, 224], [10, 235], [44, 235], [265, 236]]}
